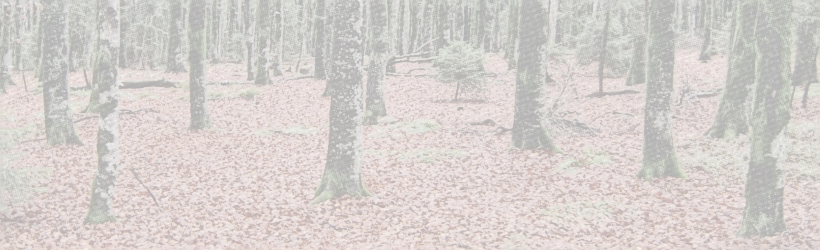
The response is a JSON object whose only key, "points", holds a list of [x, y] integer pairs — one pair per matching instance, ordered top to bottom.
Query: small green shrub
{"points": [[462, 64], [249, 94]]}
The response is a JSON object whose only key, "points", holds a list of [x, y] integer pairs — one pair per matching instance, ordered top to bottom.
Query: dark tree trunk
{"points": [[246, 8], [512, 34], [263, 35], [708, 50], [175, 58], [602, 59], [197, 60], [805, 65], [637, 69], [375, 107], [732, 117], [58, 124], [529, 130], [659, 158], [342, 175], [101, 209], [763, 214]]}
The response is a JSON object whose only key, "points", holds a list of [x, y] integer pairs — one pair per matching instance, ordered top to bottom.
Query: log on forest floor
{"points": [[162, 83], [603, 94]]}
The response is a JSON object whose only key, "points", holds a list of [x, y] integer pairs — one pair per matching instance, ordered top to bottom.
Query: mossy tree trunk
{"points": [[246, 10], [478, 26], [512, 34], [263, 35], [278, 38], [319, 45], [707, 49], [5, 51], [175, 58], [197, 60], [637, 69], [805, 70], [375, 107], [732, 118], [58, 124], [529, 129], [659, 158], [342, 174], [101, 208], [763, 214]]}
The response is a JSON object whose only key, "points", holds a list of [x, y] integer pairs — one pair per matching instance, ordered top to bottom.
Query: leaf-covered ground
{"points": [[436, 180]]}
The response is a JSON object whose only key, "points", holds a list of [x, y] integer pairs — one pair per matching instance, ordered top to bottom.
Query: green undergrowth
{"points": [[400, 129], [296, 130], [591, 157], [568, 215]]}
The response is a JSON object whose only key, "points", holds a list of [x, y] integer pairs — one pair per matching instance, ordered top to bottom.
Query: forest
{"points": [[409, 124]]}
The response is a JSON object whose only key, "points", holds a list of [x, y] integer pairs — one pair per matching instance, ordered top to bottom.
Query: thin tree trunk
{"points": [[246, 9], [512, 34], [263, 35], [175, 57], [602, 59], [197, 60], [805, 66], [375, 107], [58, 124], [659, 158], [342, 174], [101, 209], [763, 214]]}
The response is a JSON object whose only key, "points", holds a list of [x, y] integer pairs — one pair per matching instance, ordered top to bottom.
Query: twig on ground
{"points": [[146, 187]]}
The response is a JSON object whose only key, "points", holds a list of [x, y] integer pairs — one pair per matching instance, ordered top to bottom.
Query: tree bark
{"points": [[246, 9], [512, 34], [263, 35], [708, 50], [197, 54], [175, 57], [602, 59], [805, 65], [637, 69], [375, 106], [732, 117], [529, 126], [59, 128], [659, 158], [342, 174], [101, 208], [763, 214]]}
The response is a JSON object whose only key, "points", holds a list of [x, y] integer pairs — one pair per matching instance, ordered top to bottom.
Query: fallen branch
{"points": [[408, 75], [295, 78], [226, 83], [146, 84], [623, 92], [688, 96], [579, 126], [146, 188]]}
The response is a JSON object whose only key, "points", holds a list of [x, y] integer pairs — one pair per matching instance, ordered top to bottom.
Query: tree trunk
{"points": [[246, 9], [124, 27], [512, 34], [263, 35], [278, 38], [319, 47], [707, 50], [5, 52], [197, 54], [175, 57], [602, 59], [805, 65], [637, 69], [375, 107], [732, 117], [58, 124], [529, 129], [659, 158], [342, 175], [101, 208], [763, 214]]}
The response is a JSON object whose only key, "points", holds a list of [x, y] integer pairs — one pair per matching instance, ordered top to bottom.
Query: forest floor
{"points": [[436, 180]]}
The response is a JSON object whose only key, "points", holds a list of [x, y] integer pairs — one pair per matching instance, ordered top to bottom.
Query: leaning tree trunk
{"points": [[263, 31], [512, 34], [278, 38], [319, 45], [708, 50], [175, 58], [196, 59], [805, 65], [637, 69], [375, 107], [732, 118], [59, 126], [529, 129], [659, 158], [342, 175], [101, 209], [763, 214]]}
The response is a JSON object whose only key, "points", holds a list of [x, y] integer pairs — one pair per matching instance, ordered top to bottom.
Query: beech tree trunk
{"points": [[512, 34], [263, 35], [175, 57], [197, 60], [805, 65], [637, 69], [375, 106], [732, 117], [58, 124], [529, 129], [659, 158], [342, 174], [765, 181], [101, 209]]}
